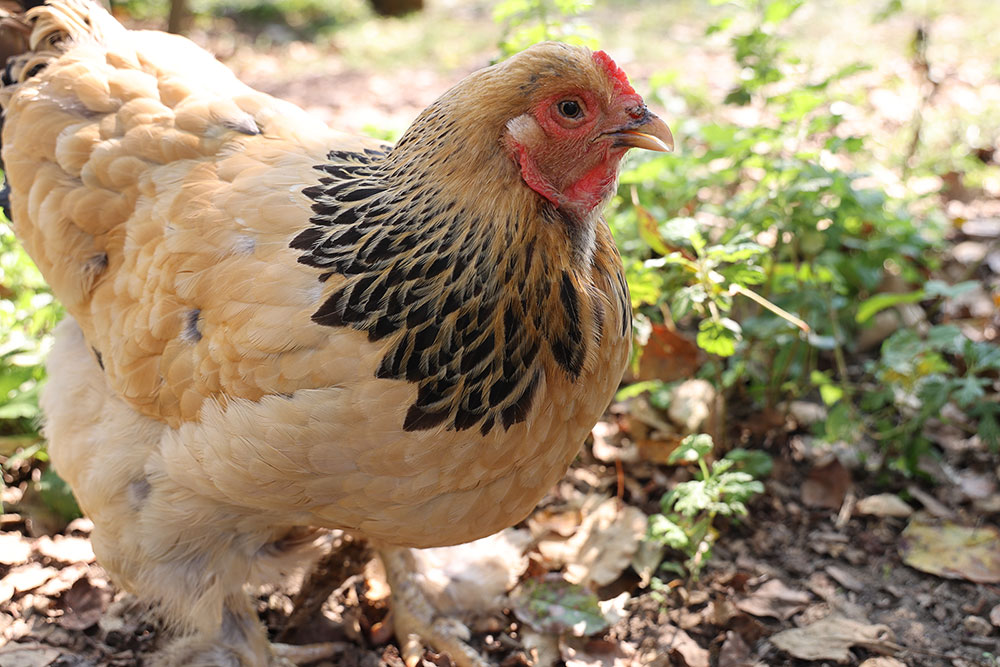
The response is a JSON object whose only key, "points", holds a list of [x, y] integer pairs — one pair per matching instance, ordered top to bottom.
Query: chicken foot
{"points": [[416, 620]]}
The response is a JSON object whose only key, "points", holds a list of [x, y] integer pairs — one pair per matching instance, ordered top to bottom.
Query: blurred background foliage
{"points": [[801, 240]]}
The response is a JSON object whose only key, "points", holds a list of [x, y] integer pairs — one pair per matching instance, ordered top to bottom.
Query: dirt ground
{"points": [[816, 566]]}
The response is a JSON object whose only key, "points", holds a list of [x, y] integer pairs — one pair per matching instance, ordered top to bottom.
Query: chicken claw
{"points": [[417, 621]]}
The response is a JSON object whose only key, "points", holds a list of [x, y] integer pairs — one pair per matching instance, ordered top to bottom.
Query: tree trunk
{"points": [[396, 7], [178, 17]]}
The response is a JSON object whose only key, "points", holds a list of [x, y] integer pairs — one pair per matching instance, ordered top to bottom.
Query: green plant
{"points": [[306, 18], [526, 22], [779, 210], [28, 312], [916, 376], [689, 510]]}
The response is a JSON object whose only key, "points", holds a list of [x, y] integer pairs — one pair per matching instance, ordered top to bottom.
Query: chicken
{"points": [[276, 327]]}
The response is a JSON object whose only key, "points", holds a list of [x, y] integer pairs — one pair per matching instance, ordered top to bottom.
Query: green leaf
{"points": [[778, 11], [680, 230], [650, 232], [735, 252], [943, 289], [876, 304], [719, 336], [946, 337], [901, 350], [970, 389], [633, 390], [830, 393], [989, 430], [692, 448], [751, 461], [56, 494], [691, 498], [663, 530], [556, 606]]}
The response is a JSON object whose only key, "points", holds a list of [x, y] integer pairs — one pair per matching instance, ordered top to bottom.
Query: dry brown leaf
{"points": [[668, 356], [691, 405], [640, 409], [805, 413], [608, 447], [658, 450], [826, 485], [977, 486], [930, 503], [884, 504], [549, 522], [82, 525], [602, 547], [14, 549], [65, 549], [949, 550], [647, 559], [26, 577], [845, 578], [472, 579], [63, 581], [6, 592], [774, 599], [83, 604], [831, 638], [678, 643], [543, 648], [588, 652], [734, 652], [27, 655], [882, 661]]}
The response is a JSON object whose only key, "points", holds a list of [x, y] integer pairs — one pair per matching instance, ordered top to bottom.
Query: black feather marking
{"points": [[357, 194], [5, 199], [308, 238], [419, 273], [328, 314], [569, 351], [477, 355], [518, 410], [417, 419]]}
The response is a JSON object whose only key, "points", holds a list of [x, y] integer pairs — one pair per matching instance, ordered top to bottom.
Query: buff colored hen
{"points": [[276, 326]]}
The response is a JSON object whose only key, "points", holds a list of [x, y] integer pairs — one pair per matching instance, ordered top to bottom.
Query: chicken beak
{"points": [[653, 134]]}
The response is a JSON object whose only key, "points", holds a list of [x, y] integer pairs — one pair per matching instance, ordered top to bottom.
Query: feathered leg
{"points": [[188, 560], [416, 620]]}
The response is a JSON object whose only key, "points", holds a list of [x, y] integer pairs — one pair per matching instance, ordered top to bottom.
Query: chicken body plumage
{"points": [[280, 326]]}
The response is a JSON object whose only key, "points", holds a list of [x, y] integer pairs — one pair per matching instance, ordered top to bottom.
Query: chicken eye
{"points": [[570, 109]]}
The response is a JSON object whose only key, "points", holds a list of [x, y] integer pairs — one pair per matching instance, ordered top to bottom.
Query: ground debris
{"points": [[827, 485], [884, 504], [601, 548], [14, 549], [946, 549], [774, 599], [832, 637], [28, 655]]}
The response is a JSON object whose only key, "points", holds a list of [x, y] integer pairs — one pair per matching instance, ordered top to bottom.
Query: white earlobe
{"points": [[524, 129]]}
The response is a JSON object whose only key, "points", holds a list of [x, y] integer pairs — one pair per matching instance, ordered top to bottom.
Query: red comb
{"points": [[615, 72]]}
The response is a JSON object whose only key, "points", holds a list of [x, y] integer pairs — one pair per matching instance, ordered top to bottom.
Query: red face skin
{"points": [[571, 155]]}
